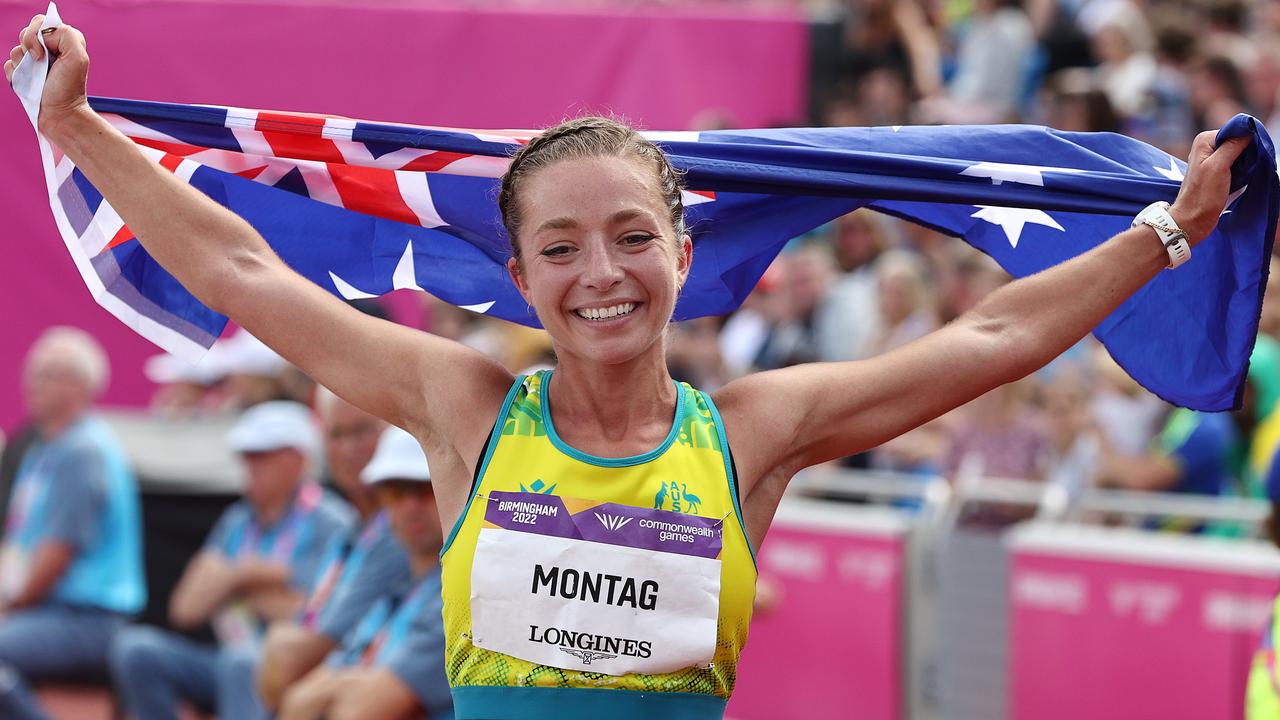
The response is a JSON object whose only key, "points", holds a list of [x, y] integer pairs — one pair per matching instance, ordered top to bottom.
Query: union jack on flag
{"points": [[364, 208]]}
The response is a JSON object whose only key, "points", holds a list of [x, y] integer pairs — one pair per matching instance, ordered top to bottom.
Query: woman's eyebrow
{"points": [[567, 223]]}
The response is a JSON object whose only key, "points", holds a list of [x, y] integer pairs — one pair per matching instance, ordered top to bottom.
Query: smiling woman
{"points": [[627, 475]]}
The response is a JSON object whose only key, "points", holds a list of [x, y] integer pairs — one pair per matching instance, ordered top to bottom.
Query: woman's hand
{"points": [[64, 87], [1203, 195]]}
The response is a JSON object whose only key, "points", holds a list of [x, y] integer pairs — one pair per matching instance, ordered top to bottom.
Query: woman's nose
{"points": [[602, 271]]}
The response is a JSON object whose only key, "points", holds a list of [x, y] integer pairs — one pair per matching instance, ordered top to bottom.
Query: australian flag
{"points": [[363, 208]]}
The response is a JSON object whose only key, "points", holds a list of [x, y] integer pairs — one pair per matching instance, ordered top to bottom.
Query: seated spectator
{"points": [[992, 59], [1126, 69], [1217, 91], [807, 271], [906, 308], [848, 316], [249, 371], [182, 389], [996, 436], [1073, 439], [1203, 453], [1192, 455], [71, 565], [257, 565], [357, 568], [392, 665]]}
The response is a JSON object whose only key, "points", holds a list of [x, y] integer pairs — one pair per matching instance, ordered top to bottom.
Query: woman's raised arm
{"points": [[407, 377], [779, 422]]}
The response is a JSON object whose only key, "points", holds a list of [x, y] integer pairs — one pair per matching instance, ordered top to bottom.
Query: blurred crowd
{"points": [[1156, 70], [316, 593]]}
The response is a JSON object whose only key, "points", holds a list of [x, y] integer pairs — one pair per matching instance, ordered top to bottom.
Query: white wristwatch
{"points": [[1175, 240]]}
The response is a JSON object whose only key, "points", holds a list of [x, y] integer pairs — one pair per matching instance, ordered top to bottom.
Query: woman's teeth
{"points": [[606, 312]]}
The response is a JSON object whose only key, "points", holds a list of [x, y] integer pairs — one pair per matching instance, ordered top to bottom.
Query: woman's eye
{"points": [[638, 238], [556, 251]]}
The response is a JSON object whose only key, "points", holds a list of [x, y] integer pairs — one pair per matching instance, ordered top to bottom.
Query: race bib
{"points": [[599, 587]]}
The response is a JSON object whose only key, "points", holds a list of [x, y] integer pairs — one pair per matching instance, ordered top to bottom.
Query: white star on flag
{"points": [[1006, 172], [1173, 172], [1233, 197], [1012, 220], [404, 277], [347, 290]]}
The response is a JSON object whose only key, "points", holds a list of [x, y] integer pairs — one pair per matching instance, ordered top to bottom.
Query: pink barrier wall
{"points": [[489, 66], [1104, 639], [832, 646]]}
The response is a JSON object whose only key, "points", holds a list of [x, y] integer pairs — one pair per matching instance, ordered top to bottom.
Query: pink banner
{"points": [[498, 65], [1110, 630], [831, 644]]}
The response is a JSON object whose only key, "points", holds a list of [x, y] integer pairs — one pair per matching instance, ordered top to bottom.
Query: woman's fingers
{"points": [[29, 38], [64, 40], [14, 56], [1230, 150], [1203, 194]]}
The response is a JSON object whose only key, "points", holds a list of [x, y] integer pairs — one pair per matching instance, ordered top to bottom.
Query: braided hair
{"points": [[581, 138]]}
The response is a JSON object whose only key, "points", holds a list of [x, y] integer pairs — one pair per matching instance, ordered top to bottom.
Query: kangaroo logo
{"points": [[678, 496], [661, 498], [613, 522], [586, 656]]}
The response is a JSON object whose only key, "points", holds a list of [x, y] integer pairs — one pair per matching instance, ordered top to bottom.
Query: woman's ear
{"points": [[685, 259], [517, 277]]}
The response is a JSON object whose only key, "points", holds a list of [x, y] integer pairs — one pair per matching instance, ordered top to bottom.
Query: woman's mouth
{"points": [[608, 312]]}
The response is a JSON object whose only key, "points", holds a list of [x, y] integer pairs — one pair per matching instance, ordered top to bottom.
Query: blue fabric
{"points": [[1185, 336], [1203, 455], [78, 488], [376, 565], [408, 629], [50, 642], [553, 703]]}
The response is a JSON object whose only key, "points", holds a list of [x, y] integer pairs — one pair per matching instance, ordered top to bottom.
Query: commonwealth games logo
{"points": [[613, 522]]}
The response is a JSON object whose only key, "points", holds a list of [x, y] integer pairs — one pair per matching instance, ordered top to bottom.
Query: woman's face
{"points": [[601, 265], [897, 300]]}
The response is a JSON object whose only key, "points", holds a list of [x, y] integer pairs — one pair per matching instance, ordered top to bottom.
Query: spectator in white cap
{"points": [[251, 372], [182, 388], [257, 565], [357, 569], [392, 664]]}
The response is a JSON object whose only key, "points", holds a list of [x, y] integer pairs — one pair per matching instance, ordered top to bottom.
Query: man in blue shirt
{"points": [[71, 562], [257, 565], [356, 570], [392, 665]]}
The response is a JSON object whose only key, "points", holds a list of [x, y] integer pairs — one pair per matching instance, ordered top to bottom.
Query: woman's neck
{"points": [[620, 407]]}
